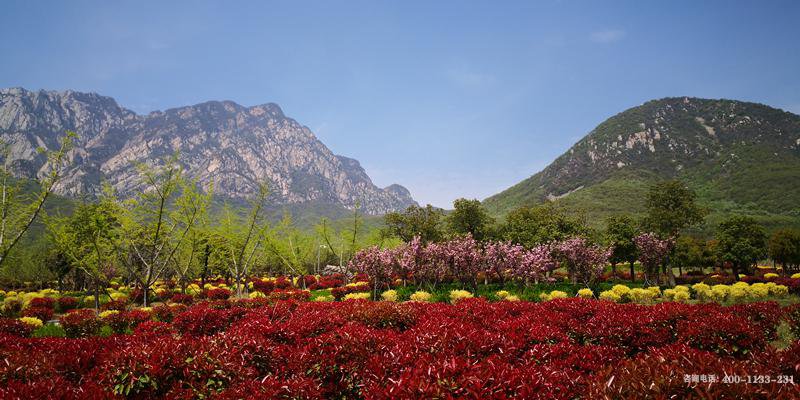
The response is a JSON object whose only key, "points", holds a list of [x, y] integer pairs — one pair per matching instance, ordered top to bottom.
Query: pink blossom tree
{"points": [[653, 252], [500, 258], [585, 262], [377, 264], [533, 264]]}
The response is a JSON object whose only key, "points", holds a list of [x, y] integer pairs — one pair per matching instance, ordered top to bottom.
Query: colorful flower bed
{"points": [[262, 348]]}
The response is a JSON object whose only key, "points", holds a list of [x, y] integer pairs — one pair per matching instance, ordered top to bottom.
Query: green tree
{"points": [[671, 207], [19, 209], [192, 211], [470, 217], [415, 221], [155, 224], [531, 226], [619, 234], [87, 237], [238, 242], [742, 242], [784, 248], [689, 252]]}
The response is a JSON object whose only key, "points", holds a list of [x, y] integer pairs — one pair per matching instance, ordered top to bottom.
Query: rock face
{"points": [[220, 142], [740, 157]]}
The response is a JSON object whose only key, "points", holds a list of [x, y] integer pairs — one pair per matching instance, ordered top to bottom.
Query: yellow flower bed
{"points": [[585, 293], [555, 294], [389, 295], [456, 295], [610, 295], [358, 296], [421, 296], [108, 313], [32, 321]]}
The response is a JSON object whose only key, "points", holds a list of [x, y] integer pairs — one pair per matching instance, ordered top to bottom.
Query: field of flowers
{"points": [[441, 321], [472, 348]]}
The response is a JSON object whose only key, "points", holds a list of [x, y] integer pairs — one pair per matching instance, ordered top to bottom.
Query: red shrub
{"points": [[263, 286], [217, 294], [298, 295], [181, 298], [42, 302], [66, 303], [119, 305], [43, 313], [166, 313], [202, 320], [123, 321], [80, 323], [14, 327], [153, 328]]}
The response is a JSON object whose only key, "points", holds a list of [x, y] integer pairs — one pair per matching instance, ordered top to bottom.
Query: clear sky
{"points": [[449, 98]]}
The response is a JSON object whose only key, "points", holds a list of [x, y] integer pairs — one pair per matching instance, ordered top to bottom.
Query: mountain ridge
{"points": [[223, 142], [740, 157]]}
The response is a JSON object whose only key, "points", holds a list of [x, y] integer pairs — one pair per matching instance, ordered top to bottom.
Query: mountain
{"points": [[233, 146], [739, 157]]}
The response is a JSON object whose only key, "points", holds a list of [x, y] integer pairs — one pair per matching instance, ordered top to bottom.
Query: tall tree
{"points": [[192, 207], [671, 207], [18, 210], [470, 217], [415, 221], [532, 226], [152, 229], [619, 234], [87, 239], [240, 242], [742, 242], [784, 249]]}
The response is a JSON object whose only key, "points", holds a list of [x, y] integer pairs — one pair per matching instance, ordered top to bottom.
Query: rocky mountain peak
{"points": [[220, 142]]}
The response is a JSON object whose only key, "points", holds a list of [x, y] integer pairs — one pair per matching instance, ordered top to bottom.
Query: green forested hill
{"points": [[740, 157]]}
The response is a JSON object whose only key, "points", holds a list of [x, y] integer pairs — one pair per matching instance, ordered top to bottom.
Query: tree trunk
{"points": [[613, 269], [735, 269], [633, 272], [97, 295]]}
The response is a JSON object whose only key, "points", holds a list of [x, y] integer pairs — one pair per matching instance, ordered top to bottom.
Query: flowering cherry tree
{"points": [[653, 252], [501, 257], [585, 262], [377, 264], [534, 264]]}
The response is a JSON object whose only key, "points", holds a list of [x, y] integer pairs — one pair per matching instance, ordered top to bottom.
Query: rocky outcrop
{"points": [[220, 142]]}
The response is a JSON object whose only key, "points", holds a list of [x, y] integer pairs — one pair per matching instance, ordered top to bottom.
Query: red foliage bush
{"points": [[328, 282], [263, 286], [338, 293], [217, 294], [298, 295], [181, 298], [43, 302], [66, 303], [119, 305], [43, 313], [166, 313], [203, 320], [123, 321], [80, 323], [14, 327], [562, 349]]}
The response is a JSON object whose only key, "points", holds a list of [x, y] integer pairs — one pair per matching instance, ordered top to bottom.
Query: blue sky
{"points": [[449, 98]]}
